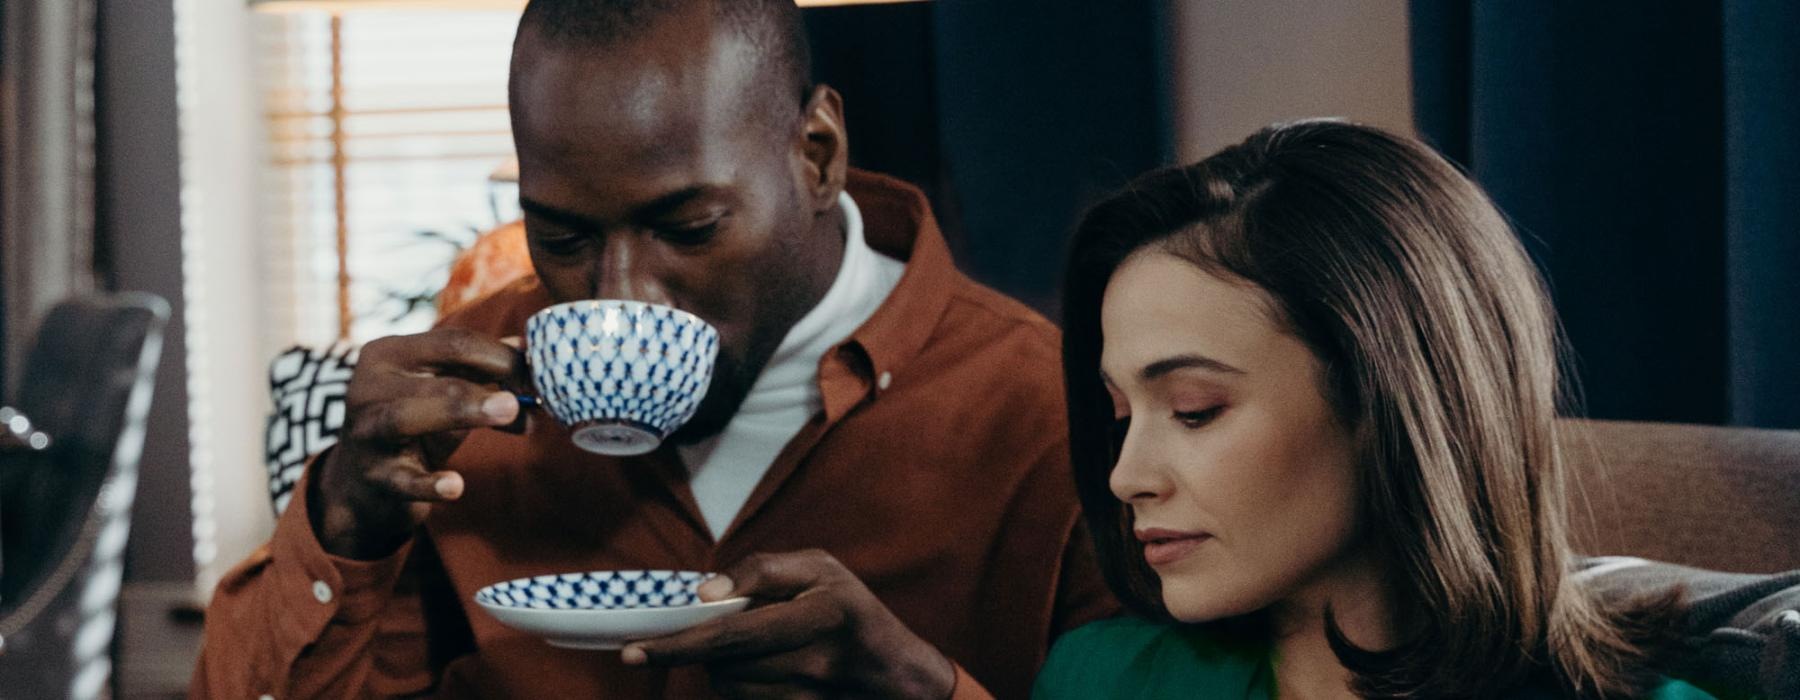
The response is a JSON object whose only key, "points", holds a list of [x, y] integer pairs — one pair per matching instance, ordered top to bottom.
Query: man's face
{"points": [[651, 170]]}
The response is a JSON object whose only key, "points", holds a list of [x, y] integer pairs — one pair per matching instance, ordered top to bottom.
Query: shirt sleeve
{"points": [[293, 621], [967, 688]]}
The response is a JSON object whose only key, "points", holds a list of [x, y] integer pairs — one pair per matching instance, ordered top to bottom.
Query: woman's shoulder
{"points": [[1113, 636], [1124, 656]]}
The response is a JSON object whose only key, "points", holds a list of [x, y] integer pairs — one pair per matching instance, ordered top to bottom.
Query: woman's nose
{"points": [[1137, 475]]}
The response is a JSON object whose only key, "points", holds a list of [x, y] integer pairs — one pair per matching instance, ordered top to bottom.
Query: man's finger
{"points": [[466, 353], [451, 404], [406, 478], [776, 576], [715, 589], [763, 631]]}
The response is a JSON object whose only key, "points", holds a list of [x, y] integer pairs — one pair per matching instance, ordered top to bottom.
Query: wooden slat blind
{"points": [[410, 130]]}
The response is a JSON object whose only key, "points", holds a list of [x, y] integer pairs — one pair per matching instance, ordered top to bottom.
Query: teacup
{"points": [[622, 375]]}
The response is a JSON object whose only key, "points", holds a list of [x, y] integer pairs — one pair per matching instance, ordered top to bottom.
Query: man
{"points": [[880, 464]]}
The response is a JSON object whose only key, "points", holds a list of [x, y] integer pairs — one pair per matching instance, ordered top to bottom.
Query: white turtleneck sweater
{"points": [[725, 468]]}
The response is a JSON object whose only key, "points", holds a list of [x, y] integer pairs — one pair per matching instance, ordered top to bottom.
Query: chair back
{"points": [[1715, 498], [67, 515]]}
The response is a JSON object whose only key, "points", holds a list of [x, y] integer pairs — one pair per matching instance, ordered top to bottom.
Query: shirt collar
{"points": [[897, 222]]}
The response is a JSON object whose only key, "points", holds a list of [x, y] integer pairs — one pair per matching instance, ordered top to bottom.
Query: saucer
{"points": [[603, 609]]}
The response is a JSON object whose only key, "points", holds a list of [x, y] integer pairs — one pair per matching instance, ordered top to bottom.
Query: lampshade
{"points": [[344, 5]]}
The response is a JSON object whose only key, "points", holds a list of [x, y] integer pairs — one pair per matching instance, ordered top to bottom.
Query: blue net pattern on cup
{"points": [[630, 362], [597, 590]]}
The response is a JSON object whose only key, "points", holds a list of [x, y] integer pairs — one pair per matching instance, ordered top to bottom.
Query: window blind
{"points": [[383, 129]]}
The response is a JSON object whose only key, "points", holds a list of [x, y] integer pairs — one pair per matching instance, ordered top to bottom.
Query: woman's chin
{"points": [[1195, 601]]}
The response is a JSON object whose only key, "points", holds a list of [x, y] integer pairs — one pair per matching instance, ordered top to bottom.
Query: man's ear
{"points": [[824, 147]]}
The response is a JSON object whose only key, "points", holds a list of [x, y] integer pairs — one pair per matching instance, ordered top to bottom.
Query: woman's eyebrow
{"points": [[1161, 368]]}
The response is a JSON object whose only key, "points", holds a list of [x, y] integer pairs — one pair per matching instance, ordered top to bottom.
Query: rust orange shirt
{"points": [[945, 487]]}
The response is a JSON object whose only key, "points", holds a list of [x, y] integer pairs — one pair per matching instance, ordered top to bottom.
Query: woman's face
{"points": [[1239, 476]]}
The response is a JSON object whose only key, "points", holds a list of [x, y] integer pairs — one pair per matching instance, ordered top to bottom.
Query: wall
{"points": [[1240, 65], [222, 128], [162, 195], [139, 217]]}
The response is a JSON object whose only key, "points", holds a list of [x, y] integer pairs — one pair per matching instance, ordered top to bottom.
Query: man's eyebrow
{"points": [[673, 200], [656, 207], [557, 216], [1161, 368]]}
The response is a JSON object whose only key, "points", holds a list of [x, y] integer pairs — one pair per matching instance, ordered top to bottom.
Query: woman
{"points": [[1312, 389]]}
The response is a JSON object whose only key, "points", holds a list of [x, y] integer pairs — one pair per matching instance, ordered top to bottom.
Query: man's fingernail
{"points": [[516, 342], [503, 407], [450, 486], [714, 589], [633, 656]]}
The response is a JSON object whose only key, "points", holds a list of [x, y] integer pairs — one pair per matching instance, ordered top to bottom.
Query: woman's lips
{"points": [[1169, 546]]}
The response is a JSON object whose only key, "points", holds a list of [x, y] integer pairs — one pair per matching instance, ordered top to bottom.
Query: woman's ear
{"points": [[824, 147]]}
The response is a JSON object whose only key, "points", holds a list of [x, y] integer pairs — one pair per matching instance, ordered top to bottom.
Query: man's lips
{"points": [[1163, 546]]}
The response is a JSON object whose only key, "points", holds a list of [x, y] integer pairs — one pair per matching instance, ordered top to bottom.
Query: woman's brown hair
{"points": [[1440, 353]]}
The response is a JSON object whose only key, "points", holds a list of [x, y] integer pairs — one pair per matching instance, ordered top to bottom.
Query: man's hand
{"points": [[411, 401], [813, 630]]}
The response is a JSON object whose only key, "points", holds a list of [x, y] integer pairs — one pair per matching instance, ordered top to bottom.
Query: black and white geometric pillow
{"points": [[308, 387]]}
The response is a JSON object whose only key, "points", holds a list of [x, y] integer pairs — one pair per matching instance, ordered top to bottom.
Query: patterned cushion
{"points": [[308, 387]]}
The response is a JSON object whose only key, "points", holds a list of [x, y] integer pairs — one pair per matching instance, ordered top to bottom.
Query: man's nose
{"points": [[624, 271]]}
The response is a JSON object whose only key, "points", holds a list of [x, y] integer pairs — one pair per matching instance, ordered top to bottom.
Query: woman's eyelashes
{"points": [[1194, 420]]}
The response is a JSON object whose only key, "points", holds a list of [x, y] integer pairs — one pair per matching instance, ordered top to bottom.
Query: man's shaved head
{"points": [[772, 28], [675, 152]]}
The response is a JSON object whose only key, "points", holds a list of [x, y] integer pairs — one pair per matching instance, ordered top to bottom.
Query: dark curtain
{"points": [[879, 58], [1013, 115], [1645, 153], [47, 155], [4, 397]]}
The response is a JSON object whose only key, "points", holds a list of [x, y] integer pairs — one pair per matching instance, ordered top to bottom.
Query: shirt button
{"points": [[886, 380], [322, 591], [1791, 617]]}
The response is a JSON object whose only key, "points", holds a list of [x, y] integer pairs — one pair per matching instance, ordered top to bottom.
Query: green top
{"points": [[1130, 658]]}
